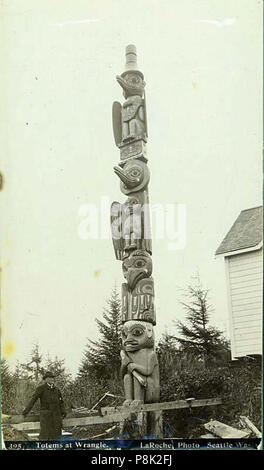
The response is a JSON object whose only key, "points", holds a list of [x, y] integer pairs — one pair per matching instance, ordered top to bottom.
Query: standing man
{"points": [[52, 410]]}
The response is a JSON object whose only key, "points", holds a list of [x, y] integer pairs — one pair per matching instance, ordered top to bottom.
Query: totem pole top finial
{"points": [[131, 57]]}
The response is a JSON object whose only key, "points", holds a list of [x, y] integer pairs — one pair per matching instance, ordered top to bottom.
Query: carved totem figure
{"points": [[133, 115], [134, 176], [130, 222], [131, 234], [138, 292], [139, 369]]}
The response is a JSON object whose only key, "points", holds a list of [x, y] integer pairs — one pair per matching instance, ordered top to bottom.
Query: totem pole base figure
{"points": [[139, 368]]}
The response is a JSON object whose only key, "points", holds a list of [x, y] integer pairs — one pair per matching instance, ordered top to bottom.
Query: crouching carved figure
{"points": [[129, 120], [139, 368]]}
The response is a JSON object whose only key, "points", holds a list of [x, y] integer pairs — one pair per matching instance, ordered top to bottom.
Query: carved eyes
{"points": [[134, 79], [135, 172], [133, 201], [139, 264], [137, 332]]}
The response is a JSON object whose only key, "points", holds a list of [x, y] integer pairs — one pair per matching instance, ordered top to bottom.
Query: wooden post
{"points": [[155, 424], [135, 426]]}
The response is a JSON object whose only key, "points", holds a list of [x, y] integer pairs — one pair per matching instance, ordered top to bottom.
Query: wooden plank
{"points": [[246, 255], [246, 258], [247, 263], [245, 267], [244, 274], [246, 280], [256, 280], [254, 283], [246, 288], [246, 295], [241, 308], [248, 312], [254, 319], [248, 320], [249, 323], [243, 328], [248, 330], [248, 335], [253, 340], [243, 342], [248, 349], [248, 352], [238, 355], [169, 405], [116, 414], [31, 418], [14, 419], [245, 420], [85, 421], [71, 422], [26, 426], [225, 431]]}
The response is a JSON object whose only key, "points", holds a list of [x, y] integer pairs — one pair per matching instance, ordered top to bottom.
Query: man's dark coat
{"points": [[51, 411]]}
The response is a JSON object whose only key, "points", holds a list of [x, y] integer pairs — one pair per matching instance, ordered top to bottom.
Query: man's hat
{"points": [[48, 374]]}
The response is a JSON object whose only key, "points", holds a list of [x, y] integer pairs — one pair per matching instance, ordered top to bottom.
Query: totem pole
{"points": [[131, 234]]}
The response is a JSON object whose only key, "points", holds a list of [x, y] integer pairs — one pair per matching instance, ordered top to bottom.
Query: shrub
{"points": [[238, 386]]}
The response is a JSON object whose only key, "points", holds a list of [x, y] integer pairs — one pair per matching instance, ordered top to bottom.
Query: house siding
{"points": [[244, 273]]}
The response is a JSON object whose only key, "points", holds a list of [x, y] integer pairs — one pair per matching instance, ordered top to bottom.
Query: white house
{"points": [[242, 251]]}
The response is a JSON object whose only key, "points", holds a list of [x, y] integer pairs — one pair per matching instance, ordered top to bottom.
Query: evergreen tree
{"points": [[197, 336], [167, 352], [102, 358], [57, 367], [33, 369], [21, 384], [7, 387]]}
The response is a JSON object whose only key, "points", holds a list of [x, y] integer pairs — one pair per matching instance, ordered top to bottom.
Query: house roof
{"points": [[246, 232]]}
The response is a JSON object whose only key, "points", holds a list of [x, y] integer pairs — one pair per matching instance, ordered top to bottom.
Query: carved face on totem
{"points": [[132, 83], [134, 176], [137, 266], [137, 335]]}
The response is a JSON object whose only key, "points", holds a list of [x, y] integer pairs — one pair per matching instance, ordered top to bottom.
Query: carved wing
{"points": [[145, 113], [117, 122], [116, 229], [125, 303]]}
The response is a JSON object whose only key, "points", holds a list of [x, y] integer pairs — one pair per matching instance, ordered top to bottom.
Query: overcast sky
{"points": [[202, 61]]}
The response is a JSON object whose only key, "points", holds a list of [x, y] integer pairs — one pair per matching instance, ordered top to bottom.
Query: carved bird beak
{"points": [[121, 81], [127, 180], [134, 276]]}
